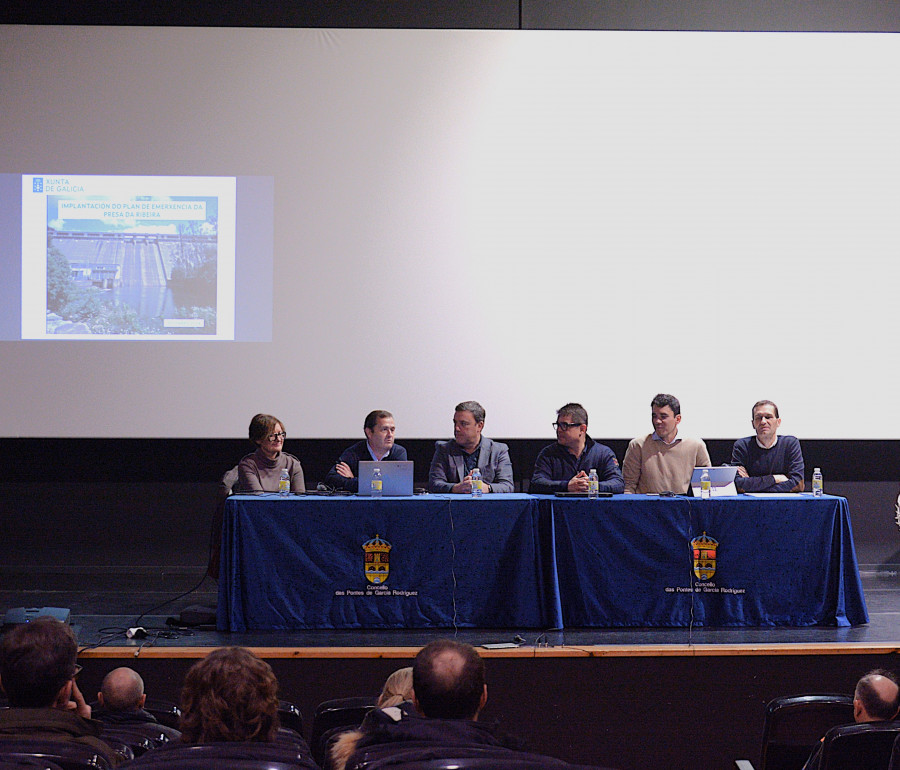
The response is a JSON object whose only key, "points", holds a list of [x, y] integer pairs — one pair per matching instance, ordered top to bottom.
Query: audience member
{"points": [[378, 445], [454, 460], [663, 461], [767, 462], [565, 465], [261, 471], [37, 673], [398, 687], [449, 692], [397, 693], [230, 695], [876, 699], [121, 702]]}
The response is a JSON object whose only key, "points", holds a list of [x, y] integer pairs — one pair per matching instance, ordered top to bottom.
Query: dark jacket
{"points": [[352, 455], [555, 465], [448, 466], [51, 724]]}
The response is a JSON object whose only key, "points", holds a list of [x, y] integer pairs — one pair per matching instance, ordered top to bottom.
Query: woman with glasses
{"points": [[261, 471]]}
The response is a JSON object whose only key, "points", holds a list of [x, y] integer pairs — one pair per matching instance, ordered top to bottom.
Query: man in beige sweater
{"points": [[663, 461]]}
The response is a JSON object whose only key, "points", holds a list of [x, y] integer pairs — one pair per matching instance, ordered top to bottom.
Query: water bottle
{"points": [[376, 482], [284, 483], [818, 483], [477, 485], [593, 485], [705, 485]]}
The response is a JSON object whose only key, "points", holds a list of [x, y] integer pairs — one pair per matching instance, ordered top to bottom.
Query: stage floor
{"points": [[105, 602]]}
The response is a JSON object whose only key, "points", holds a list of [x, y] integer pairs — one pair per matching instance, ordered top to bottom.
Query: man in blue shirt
{"points": [[767, 462], [564, 466]]}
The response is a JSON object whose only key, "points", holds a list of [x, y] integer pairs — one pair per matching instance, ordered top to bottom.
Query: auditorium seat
{"points": [[227, 485], [166, 712], [330, 715], [289, 716], [794, 725], [136, 737], [865, 746], [65, 754], [226, 754], [895, 755], [411, 756], [28, 763], [215, 763]]}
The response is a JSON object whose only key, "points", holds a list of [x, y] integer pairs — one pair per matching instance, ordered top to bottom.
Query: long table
{"points": [[533, 561]]}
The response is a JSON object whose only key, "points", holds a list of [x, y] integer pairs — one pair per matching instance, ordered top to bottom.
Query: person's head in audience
{"points": [[665, 414], [468, 422], [379, 429], [268, 433], [38, 668], [448, 681], [397, 688], [122, 690], [230, 695], [877, 697]]}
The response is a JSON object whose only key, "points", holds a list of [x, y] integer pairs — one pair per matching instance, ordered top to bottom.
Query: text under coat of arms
{"points": [[705, 549], [377, 562]]}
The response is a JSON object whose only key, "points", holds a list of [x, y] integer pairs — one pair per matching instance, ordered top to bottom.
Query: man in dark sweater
{"points": [[378, 445], [767, 462], [565, 465], [37, 672], [449, 693], [876, 699], [122, 700]]}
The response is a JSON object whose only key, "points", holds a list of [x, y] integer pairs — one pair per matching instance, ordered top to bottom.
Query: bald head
{"points": [[448, 680], [122, 690], [877, 697]]}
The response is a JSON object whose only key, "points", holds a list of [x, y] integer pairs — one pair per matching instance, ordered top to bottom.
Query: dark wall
{"points": [[790, 15], [101, 502]]}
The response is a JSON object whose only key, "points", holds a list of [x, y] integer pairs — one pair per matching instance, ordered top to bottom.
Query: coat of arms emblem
{"points": [[705, 549], [377, 562]]}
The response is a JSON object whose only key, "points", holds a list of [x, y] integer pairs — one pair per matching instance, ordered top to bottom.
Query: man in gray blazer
{"points": [[454, 460]]}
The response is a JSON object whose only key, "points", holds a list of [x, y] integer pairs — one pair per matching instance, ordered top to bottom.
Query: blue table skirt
{"points": [[536, 561], [776, 561], [293, 563]]}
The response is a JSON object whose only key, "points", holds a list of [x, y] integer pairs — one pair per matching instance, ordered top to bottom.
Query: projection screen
{"points": [[419, 217]]}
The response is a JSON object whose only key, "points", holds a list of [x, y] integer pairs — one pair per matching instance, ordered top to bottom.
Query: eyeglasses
{"points": [[566, 425], [275, 436], [77, 671]]}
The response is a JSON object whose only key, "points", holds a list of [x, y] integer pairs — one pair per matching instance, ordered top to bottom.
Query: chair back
{"points": [[166, 712], [338, 712], [289, 716], [795, 724], [138, 740], [865, 746], [226, 754], [68, 755], [425, 756], [150, 762], [28, 763]]}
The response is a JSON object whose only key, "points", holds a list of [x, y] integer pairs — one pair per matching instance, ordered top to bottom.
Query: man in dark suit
{"points": [[378, 445], [454, 460]]}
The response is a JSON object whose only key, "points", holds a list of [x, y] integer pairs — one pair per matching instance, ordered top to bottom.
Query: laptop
{"points": [[396, 477], [721, 480]]}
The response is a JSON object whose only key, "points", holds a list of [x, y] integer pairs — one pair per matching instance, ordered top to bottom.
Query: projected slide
{"points": [[137, 257]]}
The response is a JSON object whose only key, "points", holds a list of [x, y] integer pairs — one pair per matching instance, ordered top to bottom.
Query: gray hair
{"points": [[474, 407]]}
